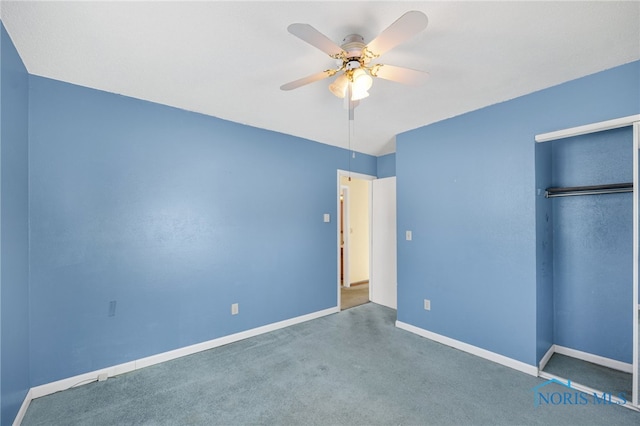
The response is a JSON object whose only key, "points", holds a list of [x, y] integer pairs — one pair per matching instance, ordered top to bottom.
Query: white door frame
{"points": [[355, 175], [345, 219]]}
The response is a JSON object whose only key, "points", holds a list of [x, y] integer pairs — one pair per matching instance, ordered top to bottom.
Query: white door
{"points": [[384, 284]]}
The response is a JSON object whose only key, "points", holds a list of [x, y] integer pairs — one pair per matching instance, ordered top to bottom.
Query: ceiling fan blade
{"points": [[405, 27], [315, 38], [400, 74], [307, 80]]}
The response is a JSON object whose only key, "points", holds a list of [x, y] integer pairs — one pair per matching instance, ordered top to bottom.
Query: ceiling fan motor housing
{"points": [[353, 44]]}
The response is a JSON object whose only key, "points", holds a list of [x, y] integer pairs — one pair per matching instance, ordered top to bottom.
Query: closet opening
{"points": [[590, 205]]}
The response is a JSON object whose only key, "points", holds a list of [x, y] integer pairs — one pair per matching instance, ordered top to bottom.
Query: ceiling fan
{"points": [[354, 58]]}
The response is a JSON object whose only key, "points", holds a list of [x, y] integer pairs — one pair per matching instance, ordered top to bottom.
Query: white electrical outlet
{"points": [[427, 304], [234, 309]]}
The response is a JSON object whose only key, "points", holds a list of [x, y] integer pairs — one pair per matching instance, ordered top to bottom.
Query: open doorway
{"points": [[354, 239]]}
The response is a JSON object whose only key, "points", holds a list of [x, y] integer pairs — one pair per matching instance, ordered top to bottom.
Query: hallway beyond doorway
{"points": [[355, 295]]}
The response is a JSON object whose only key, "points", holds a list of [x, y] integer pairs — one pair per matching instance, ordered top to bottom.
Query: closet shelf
{"points": [[613, 188]]}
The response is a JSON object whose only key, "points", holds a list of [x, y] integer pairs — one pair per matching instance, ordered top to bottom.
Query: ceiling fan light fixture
{"points": [[353, 57], [361, 81], [360, 84], [339, 86], [359, 94]]}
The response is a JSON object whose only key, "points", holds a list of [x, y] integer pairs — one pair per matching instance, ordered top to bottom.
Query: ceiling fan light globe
{"points": [[361, 81], [339, 86], [336, 91], [359, 94]]}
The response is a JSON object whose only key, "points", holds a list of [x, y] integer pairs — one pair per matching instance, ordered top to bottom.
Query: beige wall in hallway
{"points": [[359, 224]]}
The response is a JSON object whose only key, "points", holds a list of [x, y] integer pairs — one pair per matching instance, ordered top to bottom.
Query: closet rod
{"points": [[613, 188]]}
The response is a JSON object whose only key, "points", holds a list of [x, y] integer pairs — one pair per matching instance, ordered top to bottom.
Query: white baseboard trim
{"points": [[473, 350], [547, 356], [594, 359], [60, 385], [23, 409]]}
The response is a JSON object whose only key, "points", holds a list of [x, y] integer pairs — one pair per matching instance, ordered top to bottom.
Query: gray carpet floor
{"points": [[351, 368]]}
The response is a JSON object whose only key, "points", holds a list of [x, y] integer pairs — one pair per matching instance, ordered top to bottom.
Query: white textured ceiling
{"points": [[228, 59]]}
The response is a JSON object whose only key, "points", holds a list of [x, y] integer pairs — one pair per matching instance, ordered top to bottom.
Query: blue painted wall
{"points": [[386, 166], [467, 188], [173, 216], [14, 237], [593, 246]]}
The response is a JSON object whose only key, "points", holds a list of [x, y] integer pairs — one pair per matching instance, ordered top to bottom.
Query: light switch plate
{"points": [[327, 218], [409, 235]]}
